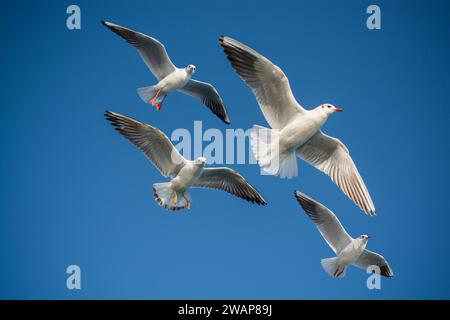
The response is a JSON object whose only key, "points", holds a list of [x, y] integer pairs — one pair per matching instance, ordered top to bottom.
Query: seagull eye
{"points": [[329, 106]]}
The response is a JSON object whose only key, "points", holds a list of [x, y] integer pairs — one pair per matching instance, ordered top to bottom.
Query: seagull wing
{"points": [[151, 50], [267, 81], [207, 94], [152, 141], [330, 156], [229, 181], [326, 221], [369, 258]]}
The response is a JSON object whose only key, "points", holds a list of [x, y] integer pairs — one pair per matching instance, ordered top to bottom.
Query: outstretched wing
{"points": [[151, 50], [267, 81], [209, 96], [152, 141], [330, 156], [229, 181], [326, 221], [370, 258]]}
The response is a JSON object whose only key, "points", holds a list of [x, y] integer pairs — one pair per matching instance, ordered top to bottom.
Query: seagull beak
{"points": [[338, 110]]}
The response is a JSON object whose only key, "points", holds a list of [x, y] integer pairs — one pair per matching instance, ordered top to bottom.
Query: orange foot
{"points": [[159, 106]]}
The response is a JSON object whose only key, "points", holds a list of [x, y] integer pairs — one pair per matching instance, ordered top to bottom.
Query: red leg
{"points": [[153, 102], [159, 105]]}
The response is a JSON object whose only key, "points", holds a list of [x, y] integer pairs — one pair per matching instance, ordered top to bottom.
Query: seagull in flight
{"points": [[169, 76], [295, 130], [184, 174], [348, 250]]}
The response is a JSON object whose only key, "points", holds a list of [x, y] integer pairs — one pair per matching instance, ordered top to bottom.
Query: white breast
{"points": [[174, 81], [300, 130], [187, 176]]}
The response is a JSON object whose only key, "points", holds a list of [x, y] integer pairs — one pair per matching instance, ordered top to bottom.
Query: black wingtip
{"points": [[103, 22], [299, 196]]}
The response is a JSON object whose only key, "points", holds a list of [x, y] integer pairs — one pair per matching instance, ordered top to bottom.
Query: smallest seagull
{"points": [[174, 195], [348, 250]]}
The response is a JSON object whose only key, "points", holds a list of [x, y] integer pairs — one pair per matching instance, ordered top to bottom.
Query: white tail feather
{"points": [[147, 93], [265, 148], [168, 198], [332, 267]]}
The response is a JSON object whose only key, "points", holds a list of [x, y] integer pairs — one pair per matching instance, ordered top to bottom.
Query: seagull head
{"points": [[191, 69], [328, 109], [200, 161], [362, 240]]}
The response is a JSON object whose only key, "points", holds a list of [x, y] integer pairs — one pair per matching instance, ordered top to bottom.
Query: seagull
{"points": [[169, 76], [295, 130], [185, 174], [348, 250]]}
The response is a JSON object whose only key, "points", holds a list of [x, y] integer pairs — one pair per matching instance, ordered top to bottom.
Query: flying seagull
{"points": [[169, 76], [295, 131], [185, 174], [348, 250]]}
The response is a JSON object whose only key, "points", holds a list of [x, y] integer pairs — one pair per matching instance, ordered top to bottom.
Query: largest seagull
{"points": [[169, 76], [295, 130]]}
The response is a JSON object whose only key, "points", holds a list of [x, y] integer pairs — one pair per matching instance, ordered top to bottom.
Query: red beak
{"points": [[338, 110]]}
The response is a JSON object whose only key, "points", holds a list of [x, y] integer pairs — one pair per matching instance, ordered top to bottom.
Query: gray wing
{"points": [[151, 50], [267, 81], [209, 96], [152, 141], [330, 156], [229, 181], [326, 221], [370, 258]]}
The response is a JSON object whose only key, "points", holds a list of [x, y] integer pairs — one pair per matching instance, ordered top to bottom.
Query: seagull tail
{"points": [[147, 93], [265, 148], [170, 199], [332, 267]]}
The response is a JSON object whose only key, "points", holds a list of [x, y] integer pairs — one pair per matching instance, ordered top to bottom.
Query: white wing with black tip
{"points": [[151, 50], [267, 81], [209, 96], [332, 157], [230, 181], [326, 222], [369, 258]]}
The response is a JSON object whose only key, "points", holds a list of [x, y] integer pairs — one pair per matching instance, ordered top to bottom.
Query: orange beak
{"points": [[338, 110]]}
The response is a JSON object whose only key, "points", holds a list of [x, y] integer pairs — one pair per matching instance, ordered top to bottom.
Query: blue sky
{"points": [[74, 192]]}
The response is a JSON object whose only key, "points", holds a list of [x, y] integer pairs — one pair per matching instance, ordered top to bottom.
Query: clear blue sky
{"points": [[74, 192]]}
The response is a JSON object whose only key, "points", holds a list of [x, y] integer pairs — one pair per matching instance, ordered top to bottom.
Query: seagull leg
{"points": [[155, 97], [159, 105], [175, 197], [188, 203]]}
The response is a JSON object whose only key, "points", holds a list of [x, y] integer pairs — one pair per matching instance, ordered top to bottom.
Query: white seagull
{"points": [[169, 76], [295, 131], [185, 174], [348, 250]]}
